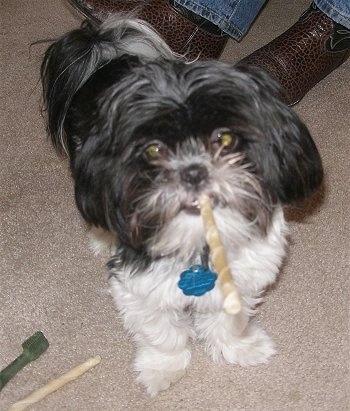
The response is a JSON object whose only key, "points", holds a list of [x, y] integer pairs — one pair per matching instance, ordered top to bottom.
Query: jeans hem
{"points": [[334, 13], [220, 21]]}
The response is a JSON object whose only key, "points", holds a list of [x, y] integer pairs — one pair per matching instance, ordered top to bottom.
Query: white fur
{"points": [[144, 41], [102, 242], [162, 320]]}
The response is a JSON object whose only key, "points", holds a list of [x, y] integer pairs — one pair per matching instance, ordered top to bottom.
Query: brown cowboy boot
{"points": [[185, 32], [304, 54]]}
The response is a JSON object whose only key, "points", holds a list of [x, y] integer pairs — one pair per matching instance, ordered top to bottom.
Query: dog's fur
{"points": [[146, 133]]}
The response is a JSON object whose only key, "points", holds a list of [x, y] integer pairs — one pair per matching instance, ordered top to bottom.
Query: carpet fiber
{"points": [[49, 280]]}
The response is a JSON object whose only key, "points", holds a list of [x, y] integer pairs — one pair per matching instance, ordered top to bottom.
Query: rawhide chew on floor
{"points": [[232, 300], [55, 384]]}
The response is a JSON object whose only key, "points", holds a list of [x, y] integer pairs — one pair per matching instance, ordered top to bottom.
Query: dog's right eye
{"points": [[155, 151]]}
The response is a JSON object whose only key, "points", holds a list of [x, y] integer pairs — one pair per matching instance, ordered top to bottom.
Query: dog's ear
{"points": [[286, 156]]}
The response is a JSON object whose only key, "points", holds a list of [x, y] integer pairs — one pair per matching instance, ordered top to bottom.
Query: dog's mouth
{"points": [[191, 206]]}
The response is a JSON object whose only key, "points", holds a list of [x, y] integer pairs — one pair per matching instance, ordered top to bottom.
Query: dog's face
{"points": [[156, 136]]}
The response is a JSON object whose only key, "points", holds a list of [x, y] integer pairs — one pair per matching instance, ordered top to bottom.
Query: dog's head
{"points": [[166, 132]]}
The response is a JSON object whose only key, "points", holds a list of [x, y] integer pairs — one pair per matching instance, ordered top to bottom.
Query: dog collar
{"points": [[198, 279]]}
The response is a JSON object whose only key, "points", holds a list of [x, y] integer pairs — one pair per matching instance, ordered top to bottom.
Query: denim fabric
{"points": [[337, 10], [234, 17]]}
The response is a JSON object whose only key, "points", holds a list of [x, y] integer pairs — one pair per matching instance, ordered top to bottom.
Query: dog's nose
{"points": [[194, 175]]}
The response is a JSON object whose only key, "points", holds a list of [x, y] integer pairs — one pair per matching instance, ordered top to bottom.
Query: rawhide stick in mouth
{"points": [[232, 299]]}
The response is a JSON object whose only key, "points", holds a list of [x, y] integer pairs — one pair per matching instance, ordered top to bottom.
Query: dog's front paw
{"points": [[252, 348], [158, 370], [155, 380]]}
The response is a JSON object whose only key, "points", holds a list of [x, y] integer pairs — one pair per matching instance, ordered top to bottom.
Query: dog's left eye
{"points": [[224, 140]]}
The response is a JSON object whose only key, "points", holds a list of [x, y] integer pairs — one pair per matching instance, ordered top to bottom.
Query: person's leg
{"points": [[337, 10], [233, 17], [196, 28], [184, 31], [307, 52]]}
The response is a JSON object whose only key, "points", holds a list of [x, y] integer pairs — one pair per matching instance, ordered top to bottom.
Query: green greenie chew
{"points": [[33, 347]]}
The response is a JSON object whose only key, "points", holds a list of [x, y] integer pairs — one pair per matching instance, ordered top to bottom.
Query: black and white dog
{"points": [[147, 133]]}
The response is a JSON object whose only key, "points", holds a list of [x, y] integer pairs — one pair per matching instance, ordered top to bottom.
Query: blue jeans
{"points": [[337, 10], [234, 17]]}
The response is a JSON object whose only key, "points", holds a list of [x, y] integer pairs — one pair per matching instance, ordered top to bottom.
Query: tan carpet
{"points": [[49, 281]]}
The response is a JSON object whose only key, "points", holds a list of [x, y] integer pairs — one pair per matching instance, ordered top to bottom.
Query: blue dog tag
{"points": [[197, 281]]}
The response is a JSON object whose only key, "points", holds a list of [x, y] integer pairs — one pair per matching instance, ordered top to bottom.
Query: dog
{"points": [[147, 133]]}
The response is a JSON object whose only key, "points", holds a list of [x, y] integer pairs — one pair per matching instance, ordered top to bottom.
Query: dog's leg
{"points": [[161, 336], [234, 338], [162, 347]]}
